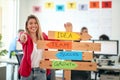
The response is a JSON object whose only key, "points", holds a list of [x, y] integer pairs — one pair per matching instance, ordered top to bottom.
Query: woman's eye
{"points": [[30, 23], [35, 23]]}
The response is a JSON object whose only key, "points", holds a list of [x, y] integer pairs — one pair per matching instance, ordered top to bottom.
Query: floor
{"points": [[57, 72], [60, 72], [58, 78]]}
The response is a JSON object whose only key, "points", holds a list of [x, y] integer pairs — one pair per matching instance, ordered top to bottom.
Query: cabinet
{"points": [[2, 72]]}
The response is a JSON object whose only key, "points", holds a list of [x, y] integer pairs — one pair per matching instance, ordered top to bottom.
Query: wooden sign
{"points": [[68, 35], [69, 45], [86, 46], [68, 55], [69, 65]]}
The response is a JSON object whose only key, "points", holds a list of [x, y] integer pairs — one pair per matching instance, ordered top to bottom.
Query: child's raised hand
{"points": [[68, 26]]}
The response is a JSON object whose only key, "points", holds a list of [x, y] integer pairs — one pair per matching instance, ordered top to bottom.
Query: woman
{"points": [[29, 68]]}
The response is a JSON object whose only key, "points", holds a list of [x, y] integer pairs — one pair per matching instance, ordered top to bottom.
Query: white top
{"points": [[36, 56]]}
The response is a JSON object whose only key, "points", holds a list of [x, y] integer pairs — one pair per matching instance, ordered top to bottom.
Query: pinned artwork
{"points": [[94, 4], [106, 4], [49, 5], [71, 5], [83, 7], [60, 8], [36, 9]]}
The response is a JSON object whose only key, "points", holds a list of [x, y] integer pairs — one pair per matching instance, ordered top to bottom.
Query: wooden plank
{"points": [[60, 35], [54, 44], [68, 45], [88, 46], [53, 55], [69, 65], [67, 74]]}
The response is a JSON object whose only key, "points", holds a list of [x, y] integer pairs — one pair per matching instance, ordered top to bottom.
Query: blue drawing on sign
{"points": [[69, 55]]}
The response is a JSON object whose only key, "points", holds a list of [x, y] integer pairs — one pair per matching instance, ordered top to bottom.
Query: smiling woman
{"points": [[29, 68]]}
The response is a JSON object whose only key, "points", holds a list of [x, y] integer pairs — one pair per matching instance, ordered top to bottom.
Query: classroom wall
{"points": [[26, 7]]}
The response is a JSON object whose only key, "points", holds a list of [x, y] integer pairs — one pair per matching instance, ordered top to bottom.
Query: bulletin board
{"points": [[96, 15]]}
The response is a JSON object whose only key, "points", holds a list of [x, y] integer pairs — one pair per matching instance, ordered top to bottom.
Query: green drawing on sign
{"points": [[63, 65]]}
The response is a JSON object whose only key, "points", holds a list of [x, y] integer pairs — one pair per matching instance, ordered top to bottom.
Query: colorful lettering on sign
{"points": [[67, 36], [59, 45], [69, 55], [63, 65]]}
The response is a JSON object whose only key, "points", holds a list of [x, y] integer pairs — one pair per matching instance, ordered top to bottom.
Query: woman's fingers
{"points": [[23, 38]]}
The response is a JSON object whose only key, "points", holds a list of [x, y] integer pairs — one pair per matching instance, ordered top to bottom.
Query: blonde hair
{"points": [[39, 31]]}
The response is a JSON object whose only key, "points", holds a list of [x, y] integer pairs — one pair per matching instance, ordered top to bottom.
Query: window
{"points": [[9, 21]]}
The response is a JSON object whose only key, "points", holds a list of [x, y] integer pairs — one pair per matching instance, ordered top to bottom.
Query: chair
{"points": [[19, 58]]}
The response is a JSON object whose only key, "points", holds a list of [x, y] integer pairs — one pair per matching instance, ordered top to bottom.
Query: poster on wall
{"points": [[96, 15]]}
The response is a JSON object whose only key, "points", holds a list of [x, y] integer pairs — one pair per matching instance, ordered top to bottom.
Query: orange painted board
{"points": [[60, 35], [54, 44], [69, 45], [52, 55], [69, 65]]}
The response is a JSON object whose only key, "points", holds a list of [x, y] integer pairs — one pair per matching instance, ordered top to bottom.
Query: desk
{"points": [[12, 61], [108, 68], [114, 68]]}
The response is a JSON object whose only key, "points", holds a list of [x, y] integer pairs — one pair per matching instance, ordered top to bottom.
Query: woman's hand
{"points": [[23, 38]]}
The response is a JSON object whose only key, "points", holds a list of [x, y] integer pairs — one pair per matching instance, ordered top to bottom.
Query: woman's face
{"points": [[32, 25]]}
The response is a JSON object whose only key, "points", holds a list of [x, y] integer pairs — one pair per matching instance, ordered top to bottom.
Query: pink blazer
{"points": [[25, 65]]}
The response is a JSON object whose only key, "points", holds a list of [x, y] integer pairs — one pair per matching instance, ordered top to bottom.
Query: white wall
{"points": [[26, 6], [23, 12], [116, 20]]}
